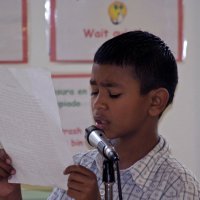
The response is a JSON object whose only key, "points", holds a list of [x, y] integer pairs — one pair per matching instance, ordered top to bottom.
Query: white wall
{"points": [[181, 125]]}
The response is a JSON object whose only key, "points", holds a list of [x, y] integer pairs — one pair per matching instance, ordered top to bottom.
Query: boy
{"points": [[133, 80]]}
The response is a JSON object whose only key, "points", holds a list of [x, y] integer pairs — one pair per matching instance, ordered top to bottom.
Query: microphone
{"points": [[95, 137]]}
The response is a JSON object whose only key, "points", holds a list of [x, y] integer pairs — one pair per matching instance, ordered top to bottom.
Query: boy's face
{"points": [[117, 106]]}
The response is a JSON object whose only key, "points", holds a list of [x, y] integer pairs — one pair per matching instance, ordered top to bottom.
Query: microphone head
{"points": [[88, 131], [95, 137]]}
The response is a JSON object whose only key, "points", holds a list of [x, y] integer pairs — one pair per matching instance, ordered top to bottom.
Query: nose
{"points": [[99, 102]]}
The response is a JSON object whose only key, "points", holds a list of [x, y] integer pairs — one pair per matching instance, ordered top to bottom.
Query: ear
{"points": [[158, 101]]}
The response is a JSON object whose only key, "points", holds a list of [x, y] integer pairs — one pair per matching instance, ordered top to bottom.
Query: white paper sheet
{"points": [[30, 128]]}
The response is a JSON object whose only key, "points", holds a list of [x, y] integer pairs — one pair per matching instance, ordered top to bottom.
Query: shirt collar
{"points": [[148, 166], [145, 167]]}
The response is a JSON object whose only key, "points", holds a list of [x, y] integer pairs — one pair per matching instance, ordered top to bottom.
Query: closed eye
{"points": [[94, 93], [114, 96]]}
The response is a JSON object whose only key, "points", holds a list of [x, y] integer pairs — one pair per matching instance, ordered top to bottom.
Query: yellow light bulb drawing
{"points": [[117, 11]]}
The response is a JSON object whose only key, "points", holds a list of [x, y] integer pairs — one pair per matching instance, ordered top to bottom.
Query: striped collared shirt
{"points": [[157, 176]]}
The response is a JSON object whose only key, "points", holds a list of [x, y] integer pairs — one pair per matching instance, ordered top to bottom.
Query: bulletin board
{"points": [[78, 28], [13, 31], [73, 97]]}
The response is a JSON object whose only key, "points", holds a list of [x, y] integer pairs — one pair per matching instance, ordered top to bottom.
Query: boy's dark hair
{"points": [[151, 60]]}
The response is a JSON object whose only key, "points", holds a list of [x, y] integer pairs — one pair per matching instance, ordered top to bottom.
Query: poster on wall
{"points": [[78, 28], [13, 31], [73, 97]]}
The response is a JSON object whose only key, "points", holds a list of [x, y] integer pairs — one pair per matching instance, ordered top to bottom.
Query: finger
{"points": [[4, 156], [7, 168], [78, 169], [6, 174], [78, 178], [81, 182], [74, 185], [84, 190], [73, 193]]}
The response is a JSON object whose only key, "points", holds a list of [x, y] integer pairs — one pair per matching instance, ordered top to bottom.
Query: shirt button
{"points": [[102, 192]]}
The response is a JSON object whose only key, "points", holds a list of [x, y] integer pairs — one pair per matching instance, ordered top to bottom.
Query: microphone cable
{"points": [[95, 137], [118, 180]]}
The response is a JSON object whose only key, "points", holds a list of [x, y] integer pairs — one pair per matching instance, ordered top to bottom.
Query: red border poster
{"points": [[78, 28], [13, 32], [73, 97]]}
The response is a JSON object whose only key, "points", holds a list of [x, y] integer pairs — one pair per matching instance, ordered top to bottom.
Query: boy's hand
{"points": [[6, 170], [82, 183]]}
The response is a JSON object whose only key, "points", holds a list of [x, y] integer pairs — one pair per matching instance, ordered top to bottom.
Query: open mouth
{"points": [[101, 124]]}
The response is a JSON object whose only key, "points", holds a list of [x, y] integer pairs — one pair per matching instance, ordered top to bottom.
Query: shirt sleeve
{"points": [[191, 190], [59, 194]]}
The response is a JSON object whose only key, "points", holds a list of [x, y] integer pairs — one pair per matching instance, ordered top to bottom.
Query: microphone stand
{"points": [[108, 178]]}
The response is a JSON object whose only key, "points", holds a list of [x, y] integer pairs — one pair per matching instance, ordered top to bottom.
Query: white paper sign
{"points": [[30, 127]]}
